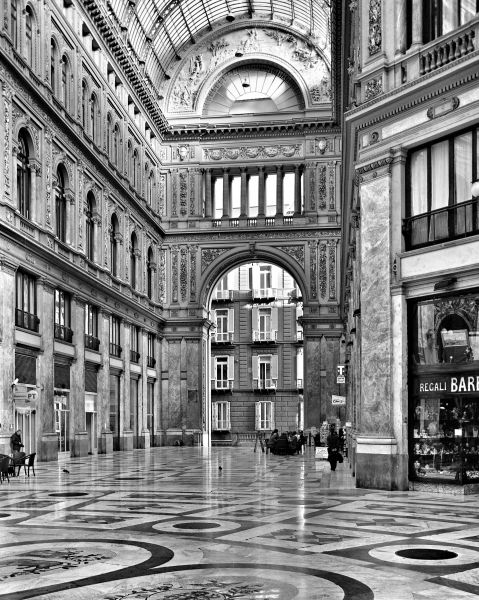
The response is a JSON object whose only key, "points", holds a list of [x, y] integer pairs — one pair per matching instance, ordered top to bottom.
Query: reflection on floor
{"points": [[168, 523]]}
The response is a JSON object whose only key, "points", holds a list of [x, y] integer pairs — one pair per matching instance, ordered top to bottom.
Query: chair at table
{"points": [[18, 461], [28, 463], [4, 466]]}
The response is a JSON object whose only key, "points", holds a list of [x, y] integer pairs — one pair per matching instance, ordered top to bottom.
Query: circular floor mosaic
{"points": [[424, 555]]}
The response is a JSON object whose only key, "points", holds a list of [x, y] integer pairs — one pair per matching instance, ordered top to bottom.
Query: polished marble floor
{"points": [[168, 523]]}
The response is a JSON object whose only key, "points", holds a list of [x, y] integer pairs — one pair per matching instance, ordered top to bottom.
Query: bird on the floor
{"points": [[220, 468], [66, 471]]}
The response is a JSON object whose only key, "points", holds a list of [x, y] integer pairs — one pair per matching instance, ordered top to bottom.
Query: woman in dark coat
{"points": [[333, 447]]}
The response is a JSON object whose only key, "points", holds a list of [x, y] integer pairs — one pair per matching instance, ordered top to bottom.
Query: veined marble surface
{"points": [[168, 523]]}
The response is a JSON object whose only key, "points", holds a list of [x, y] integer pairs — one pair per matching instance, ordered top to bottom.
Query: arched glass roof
{"points": [[158, 30]]}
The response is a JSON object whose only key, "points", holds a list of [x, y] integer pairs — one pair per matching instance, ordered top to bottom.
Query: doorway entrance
{"points": [[62, 421]]}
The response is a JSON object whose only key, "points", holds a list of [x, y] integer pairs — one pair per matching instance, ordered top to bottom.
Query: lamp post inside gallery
{"points": [[337, 401]]}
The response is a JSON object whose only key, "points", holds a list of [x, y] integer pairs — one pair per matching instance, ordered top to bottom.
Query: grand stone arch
{"points": [[185, 381]]}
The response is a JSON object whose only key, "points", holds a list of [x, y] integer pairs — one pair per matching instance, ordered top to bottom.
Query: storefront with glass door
{"points": [[444, 390]]}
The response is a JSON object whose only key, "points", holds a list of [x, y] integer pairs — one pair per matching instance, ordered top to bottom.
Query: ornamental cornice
{"points": [[416, 83], [253, 131], [253, 152], [374, 169], [265, 236]]}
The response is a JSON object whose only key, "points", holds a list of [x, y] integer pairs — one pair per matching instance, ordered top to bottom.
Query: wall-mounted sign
{"points": [[447, 384], [338, 400]]}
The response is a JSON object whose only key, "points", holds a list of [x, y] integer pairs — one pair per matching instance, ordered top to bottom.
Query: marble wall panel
{"points": [[174, 384], [375, 411]]}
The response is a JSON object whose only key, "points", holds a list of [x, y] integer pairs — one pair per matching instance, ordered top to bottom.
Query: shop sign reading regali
{"points": [[449, 384]]}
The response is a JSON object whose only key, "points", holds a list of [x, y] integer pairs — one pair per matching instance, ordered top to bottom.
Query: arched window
{"points": [[14, 23], [30, 36], [53, 66], [64, 93], [84, 103], [93, 110], [108, 136], [116, 145], [130, 160], [23, 175], [136, 179], [150, 185], [60, 206], [89, 226], [114, 230], [133, 249], [149, 274]]}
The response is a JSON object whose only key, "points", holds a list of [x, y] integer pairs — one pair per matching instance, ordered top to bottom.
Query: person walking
{"points": [[16, 441], [333, 447]]}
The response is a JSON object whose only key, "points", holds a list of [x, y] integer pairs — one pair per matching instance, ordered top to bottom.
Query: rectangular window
{"points": [[217, 189], [253, 196], [235, 197], [440, 202], [264, 277], [26, 302], [63, 316], [264, 322], [222, 325], [91, 327], [134, 344], [115, 348], [151, 360], [265, 371], [221, 372], [134, 406], [115, 410], [150, 414], [264, 415], [221, 416]]}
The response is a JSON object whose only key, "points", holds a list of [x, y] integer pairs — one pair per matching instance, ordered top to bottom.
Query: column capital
{"points": [[47, 285]]}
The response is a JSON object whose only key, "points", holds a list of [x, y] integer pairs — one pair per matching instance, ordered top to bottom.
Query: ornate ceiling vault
{"points": [[168, 49]]}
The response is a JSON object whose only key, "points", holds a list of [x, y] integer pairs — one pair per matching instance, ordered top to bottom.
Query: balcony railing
{"points": [[446, 51], [448, 223], [265, 293], [223, 295], [26, 320], [63, 333], [265, 336], [222, 337], [92, 342], [115, 350], [134, 356], [150, 362], [223, 384], [265, 384], [299, 384], [221, 425]]}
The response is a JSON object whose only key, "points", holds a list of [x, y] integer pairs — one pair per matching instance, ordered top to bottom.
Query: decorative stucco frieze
{"points": [[375, 27], [374, 87], [253, 152], [377, 168], [183, 177], [332, 185], [322, 186], [162, 194], [174, 194], [296, 252], [193, 254], [208, 255], [313, 266], [332, 269], [322, 270], [183, 272], [174, 273], [162, 276]]}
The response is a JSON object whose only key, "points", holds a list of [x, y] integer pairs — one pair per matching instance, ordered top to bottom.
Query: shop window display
{"points": [[444, 390]]}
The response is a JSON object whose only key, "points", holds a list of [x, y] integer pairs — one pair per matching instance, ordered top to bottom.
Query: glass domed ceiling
{"points": [[159, 30], [253, 90]]}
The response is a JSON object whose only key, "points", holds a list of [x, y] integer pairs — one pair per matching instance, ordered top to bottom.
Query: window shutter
{"points": [[255, 276], [254, 318], [274, 319], [231, 320], [255, 366], [231, 367], [274, 367], [213, 368], [214, 415], [258, 416], [228, 417], [272, 424]]}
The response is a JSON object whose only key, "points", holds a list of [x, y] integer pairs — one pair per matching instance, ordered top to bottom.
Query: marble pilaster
{"points": [[7, 352], [126, 434], [144, 435], [105, 438], [79, 446], [48, 447], [378, 463]]}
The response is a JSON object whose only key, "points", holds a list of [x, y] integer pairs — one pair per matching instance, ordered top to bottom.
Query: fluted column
{"points": [[400, 18], [417, 22], [297, 190], [244, 192], [261, 192], [226, 194], [208, 195]]}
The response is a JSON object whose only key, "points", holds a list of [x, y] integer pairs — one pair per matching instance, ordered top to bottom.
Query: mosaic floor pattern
{"points": [[168, 523]]}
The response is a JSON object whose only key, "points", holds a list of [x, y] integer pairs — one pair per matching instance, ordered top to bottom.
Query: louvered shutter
{"points": [[254, 322], [274, 322], [255, 367], [213, 368], [231, 368], [274, 368], [214, 415], [228, 415], [258, 416], [272, 423]]}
